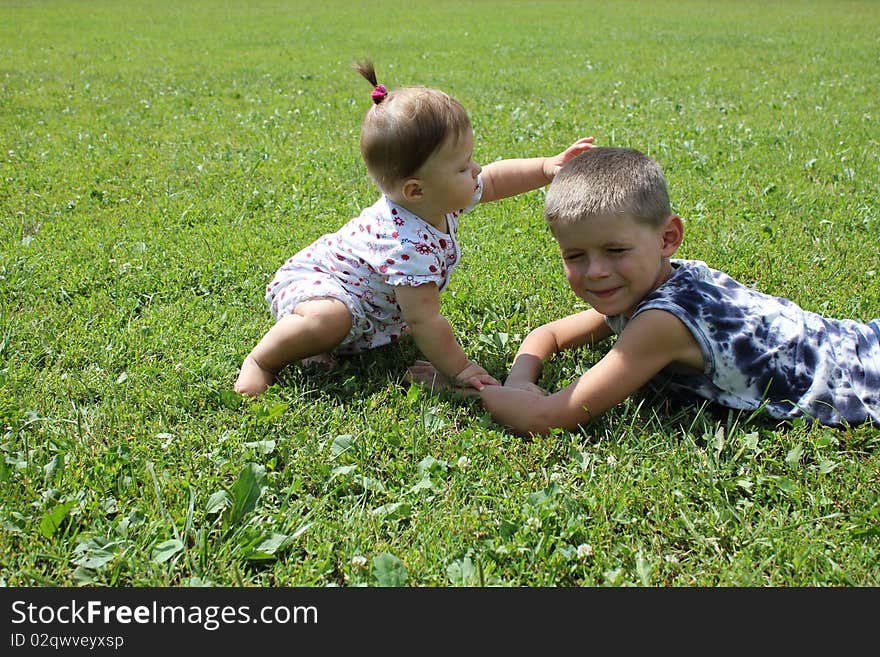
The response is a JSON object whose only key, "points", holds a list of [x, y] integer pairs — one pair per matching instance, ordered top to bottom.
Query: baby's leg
{"points": [[315, 327]]}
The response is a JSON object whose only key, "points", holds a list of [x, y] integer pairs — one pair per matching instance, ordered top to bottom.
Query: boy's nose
{"points": [[597, 268]]}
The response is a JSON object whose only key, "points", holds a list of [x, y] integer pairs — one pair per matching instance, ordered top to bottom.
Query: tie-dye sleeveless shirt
{"points": [[765, 350]]}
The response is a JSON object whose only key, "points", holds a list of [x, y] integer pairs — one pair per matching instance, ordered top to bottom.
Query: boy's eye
{"points": [[617, 250], [572, 256]]}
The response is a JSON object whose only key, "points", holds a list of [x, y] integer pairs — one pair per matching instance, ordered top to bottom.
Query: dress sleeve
{"points": [[417, 261]]}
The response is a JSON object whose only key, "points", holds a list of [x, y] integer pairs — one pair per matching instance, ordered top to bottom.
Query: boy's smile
{"points": [[613, 262]]}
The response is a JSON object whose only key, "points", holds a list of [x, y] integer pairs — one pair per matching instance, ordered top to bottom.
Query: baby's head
{"points": [[404, 127], [608, 181]]}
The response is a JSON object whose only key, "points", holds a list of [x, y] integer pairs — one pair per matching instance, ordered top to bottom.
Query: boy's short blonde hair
{"points": [[404, 127], [608, 181]]}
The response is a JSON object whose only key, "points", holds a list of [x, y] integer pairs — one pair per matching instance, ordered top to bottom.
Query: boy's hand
{"points": [[552, 165], [528, 386]]}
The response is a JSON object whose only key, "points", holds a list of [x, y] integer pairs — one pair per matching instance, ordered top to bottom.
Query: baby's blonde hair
{"points": [[404, 127], [608, 181]]}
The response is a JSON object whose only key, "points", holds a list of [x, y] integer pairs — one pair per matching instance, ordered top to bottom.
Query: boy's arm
{"points": [[515, 176], [420, 306], [587, 327], [649, 343]]}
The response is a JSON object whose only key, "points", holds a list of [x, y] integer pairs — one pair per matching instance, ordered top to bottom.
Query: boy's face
{"points": [[613, 262]]}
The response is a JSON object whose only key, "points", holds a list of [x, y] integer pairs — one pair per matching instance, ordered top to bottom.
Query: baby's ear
{"points": [[411, 189], [673, 234]]}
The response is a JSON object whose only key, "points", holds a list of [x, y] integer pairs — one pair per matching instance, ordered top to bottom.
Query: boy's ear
{"points": [[412, 189], [673, 235]]}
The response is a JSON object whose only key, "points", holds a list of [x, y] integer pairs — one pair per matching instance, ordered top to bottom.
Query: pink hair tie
{"points": [[379, 93]]}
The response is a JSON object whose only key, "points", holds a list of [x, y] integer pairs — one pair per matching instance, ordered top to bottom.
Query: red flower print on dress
{"points": [[398, 221], [442, 244], [423, 248], [404, 257]]}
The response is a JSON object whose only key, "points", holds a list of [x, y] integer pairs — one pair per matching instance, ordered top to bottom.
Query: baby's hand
{"points": [[552, 165], [474, 376]]}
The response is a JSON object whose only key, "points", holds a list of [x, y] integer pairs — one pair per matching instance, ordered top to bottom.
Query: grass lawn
{"points": [[159, 160]]}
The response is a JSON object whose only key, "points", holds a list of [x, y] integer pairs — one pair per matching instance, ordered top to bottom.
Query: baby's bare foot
{"points": [[253, 379]]}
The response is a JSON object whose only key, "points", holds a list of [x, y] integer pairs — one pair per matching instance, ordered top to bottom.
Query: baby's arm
{"points": [[515, 176], [420, 305], [650, 342]]}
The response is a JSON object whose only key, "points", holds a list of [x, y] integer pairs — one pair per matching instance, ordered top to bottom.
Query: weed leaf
{"points": [[246, 491], [52, 520], [164, 551], [388, 570]]}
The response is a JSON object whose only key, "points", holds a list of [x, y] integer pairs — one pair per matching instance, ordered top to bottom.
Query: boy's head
{"points": [[404, 127], [608, 181], [610, 215]]}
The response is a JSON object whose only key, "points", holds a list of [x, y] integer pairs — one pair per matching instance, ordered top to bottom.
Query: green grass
{"points": [[159, 161]]}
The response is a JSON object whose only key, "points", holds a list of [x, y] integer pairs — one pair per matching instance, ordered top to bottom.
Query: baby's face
{"points": [[449, 176], [613, 262]]}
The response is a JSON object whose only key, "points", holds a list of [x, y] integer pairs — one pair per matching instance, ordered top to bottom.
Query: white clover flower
{"points": [[611, 460], [464, 462], [555, 475], [533, 523], [584, 550], [359, 561]]}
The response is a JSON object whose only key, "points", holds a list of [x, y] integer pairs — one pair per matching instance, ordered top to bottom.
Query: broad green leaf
{"points": [[341, 444], [262, 446], [794, 456], [430, 465], [826, 466], [54, 467], [342, 471], [369, 483], [424, 484], [247, 490], [543, 497], [218, 502], [393, 511], [52, 519], [268, 547], [165, 550], [95, 552], [643, 569], [388, 570], [461, 572]]}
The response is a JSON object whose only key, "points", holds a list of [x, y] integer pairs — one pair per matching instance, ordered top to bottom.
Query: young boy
{"points": [[678, 322]]}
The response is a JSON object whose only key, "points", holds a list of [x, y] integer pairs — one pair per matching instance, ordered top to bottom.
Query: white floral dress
{"points": [[362, 263]]}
